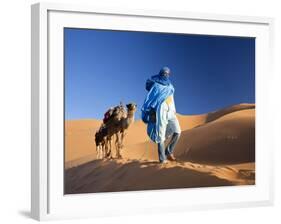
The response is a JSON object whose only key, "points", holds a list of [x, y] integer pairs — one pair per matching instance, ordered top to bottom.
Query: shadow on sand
{"points": [[133, 175]]}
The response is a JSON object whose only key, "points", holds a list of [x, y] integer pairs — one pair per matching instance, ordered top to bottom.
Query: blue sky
{"points": [[105, 67]]}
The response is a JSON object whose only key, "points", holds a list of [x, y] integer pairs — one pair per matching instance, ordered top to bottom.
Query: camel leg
{"points": [[122, 138], [120, 143], [117, 145], [108, 148], [105, 149], [97, 150], [102, 151], [109, 153]]}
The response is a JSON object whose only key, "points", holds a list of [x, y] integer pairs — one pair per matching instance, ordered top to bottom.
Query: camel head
{"points": [[131, 107]]}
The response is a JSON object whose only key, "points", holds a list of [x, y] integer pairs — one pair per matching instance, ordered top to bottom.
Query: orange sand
{"points": [[215, 149]]}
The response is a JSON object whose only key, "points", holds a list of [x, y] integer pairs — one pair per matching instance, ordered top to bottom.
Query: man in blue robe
{"points": [[159, 112]]}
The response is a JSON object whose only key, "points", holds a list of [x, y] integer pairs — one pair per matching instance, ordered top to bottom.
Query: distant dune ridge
{"points": [[215, 149]]}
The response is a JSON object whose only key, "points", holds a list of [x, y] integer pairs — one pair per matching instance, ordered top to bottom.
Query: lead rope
{"points": [[146, 148]]}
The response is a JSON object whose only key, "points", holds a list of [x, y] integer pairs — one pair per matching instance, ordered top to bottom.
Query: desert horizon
{"points": [[215, 149]]}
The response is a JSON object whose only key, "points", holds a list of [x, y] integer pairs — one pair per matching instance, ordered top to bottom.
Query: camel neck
{"points": [[131, 115]]}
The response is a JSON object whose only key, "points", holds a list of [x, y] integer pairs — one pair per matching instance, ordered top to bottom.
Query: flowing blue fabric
{"points": [[161, 79], [160, 89]]}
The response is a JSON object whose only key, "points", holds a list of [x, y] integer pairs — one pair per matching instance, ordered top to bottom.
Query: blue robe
{"points": [[158, 93]]}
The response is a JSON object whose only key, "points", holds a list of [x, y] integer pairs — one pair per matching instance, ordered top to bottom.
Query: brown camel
{"points": [[119, 121], [123, 125], [111, 126], [100, 140]]}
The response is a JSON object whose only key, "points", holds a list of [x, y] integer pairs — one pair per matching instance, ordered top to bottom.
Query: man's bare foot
{"points": [[171, 157], [164, 162]]}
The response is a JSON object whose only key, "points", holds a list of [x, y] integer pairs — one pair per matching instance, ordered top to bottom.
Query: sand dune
{"points": [[191, 121], [79, 134], [79, 138], [229, 139], [215, 149]]}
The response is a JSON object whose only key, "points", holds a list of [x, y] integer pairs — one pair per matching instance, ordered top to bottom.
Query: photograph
{"points": [[156, 111]]}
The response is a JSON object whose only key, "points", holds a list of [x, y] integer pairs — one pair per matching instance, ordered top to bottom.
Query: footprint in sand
{"points": [[192, 165], [143, 166], [195, 166], [230, 169], [246, 174]]}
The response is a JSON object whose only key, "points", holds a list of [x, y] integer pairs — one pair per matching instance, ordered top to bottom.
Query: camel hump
{"points": [[114, 114], [107, 115]]}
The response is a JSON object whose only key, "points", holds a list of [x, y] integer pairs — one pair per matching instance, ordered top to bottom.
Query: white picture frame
{"points": [[47, 198]]}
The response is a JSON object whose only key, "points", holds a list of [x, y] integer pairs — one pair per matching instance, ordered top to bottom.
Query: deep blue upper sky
{"points": [[103, 68]]}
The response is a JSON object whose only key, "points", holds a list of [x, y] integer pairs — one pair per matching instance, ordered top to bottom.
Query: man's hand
{"points": [[152, 116]]}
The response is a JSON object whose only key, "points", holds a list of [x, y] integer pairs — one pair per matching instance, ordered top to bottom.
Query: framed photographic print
{"points": [[133, 110]]}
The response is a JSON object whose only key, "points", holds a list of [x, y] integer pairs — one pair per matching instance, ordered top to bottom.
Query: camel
{"points": [[116, 125], [123, 125], [111, 126], [100, 140], [103, 142]]}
